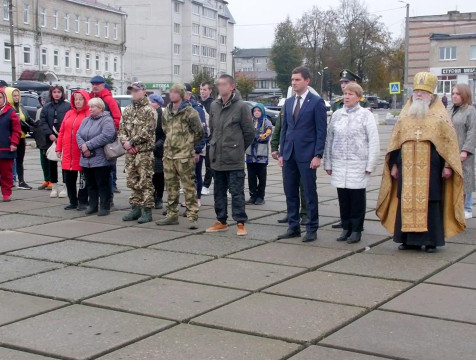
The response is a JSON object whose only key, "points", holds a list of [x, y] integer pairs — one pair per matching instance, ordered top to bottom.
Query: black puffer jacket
{"points": [[52, 114], [159, 144]]}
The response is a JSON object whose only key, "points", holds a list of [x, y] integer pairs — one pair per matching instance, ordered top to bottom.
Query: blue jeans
{"points": [[468, 202]]}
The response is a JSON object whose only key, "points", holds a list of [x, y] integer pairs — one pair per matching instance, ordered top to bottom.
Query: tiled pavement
{"points": [[76, 287]]}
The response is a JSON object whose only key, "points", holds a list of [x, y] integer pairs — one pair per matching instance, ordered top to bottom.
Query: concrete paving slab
{"points": [[56, 211], [15, 221], [69, 229], [14, 240], [471, 259], [14, 267], [459, 274], [320, 352], [9, 354]]}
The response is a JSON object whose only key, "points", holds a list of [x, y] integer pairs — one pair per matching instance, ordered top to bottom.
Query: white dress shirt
{"points": [[303, 96]]}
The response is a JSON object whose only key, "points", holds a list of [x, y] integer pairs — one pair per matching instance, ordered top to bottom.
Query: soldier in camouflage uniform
{"points": [[346, 77], [183, 130], [137, 134]]}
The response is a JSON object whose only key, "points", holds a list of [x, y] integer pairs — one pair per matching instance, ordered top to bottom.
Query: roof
{"points": [[98, 5], [226, 12], [452, 36], [247, 53], [259, 75]]}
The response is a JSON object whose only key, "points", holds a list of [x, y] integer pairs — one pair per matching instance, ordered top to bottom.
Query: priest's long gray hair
{"points": [[419, 107]]}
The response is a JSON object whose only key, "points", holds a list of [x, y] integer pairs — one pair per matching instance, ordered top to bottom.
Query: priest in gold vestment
{"points": [[421, 196]]}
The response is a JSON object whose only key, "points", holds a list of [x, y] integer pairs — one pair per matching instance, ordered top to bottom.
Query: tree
{"points": [[286, 53], [199, 78], [109, 81], [245, 84]]}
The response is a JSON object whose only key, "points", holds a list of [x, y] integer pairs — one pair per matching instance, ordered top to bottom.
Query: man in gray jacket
{"points": [[231, 132]]}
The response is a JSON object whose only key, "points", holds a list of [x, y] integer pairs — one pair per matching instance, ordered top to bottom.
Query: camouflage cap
{"points": [[138, 85], [180, 88]]}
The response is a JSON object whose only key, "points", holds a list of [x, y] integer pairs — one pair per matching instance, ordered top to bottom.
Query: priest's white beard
{"points": [[419, 108]]}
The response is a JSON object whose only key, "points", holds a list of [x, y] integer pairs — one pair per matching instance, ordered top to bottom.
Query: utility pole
{"points": [[407, 39], [12, 40]]}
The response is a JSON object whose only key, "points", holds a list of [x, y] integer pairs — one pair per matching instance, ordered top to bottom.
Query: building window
{"points": [[177, 7], [196, 9], [6, 13], [26, 13], [209, 13], [43, 17], [55, 19], [66, 22], [223, 22], [76, 24], [86, 26], [97, 28], [176, 28], [195, 29], [106, 30], [116, 31], [209, 32], [222, 39], [176, 49], [195, 49], [7, 51], [209, 51], [473, 52], [448, 53], [26, 55], [44, 57], [223, 57], [56, 58], [66, 59], [78, 61], [88, 61], [97, 62], [106, 63], [115, 64], [176, 69], [195, 69], [210, 71], [261, 84], [445, 84]]}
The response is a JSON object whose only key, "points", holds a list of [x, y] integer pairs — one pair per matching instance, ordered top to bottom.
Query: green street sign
{"points": [[160, 86], [394, 88]]}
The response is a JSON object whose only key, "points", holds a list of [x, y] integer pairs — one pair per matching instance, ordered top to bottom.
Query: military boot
{"points": [[134, 214], [146, 215], [168, 221]]}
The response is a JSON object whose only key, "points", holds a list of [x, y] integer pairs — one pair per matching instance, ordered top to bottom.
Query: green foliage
{"points": [[199, 78], [109, 81], [245, 84]]}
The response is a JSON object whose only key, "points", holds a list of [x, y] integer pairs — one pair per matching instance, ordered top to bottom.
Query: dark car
{"points": [[373, 101], [31, 102], [383, 104], [272, 115]]}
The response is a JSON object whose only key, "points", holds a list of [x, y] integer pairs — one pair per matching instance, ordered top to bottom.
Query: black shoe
{"points": [[24, 186], [116, 190], [251, 201], [260, 201], [159, 204], [70, 207], [82, 207], [90, 211], [103, 212], [284, 220], [337, 225], [290, 234], [344, 235], [310, 236], [354, 237], [409, 247], [430, 249]]}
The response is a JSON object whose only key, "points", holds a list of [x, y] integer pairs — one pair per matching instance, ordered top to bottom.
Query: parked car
{"points": [[32, 86], [290, 94], [123, 101], [373, 101], [31, 102], [383, 104], [272, 115]]}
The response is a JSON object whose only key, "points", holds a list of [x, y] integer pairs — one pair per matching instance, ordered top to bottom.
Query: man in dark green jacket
{"points": [[231, 132], [275, 140]]}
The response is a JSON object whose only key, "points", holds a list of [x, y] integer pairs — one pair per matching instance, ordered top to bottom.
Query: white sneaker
{"points": [[54, 191], [181, 191], [205, 191], [63, 193], [228, 195], [468, 215]]}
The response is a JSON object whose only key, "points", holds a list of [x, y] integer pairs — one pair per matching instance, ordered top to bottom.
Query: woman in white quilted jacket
{"points": [[352, 149]]}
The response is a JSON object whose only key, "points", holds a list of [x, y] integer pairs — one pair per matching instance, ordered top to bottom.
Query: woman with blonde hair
{"points": [[463, 115]]}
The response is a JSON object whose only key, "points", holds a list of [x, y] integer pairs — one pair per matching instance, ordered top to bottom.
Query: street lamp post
{"points": [[407, 38], [321, 73]]}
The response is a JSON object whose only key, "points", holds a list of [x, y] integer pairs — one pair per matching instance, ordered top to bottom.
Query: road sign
{"points": [[394, 88]]}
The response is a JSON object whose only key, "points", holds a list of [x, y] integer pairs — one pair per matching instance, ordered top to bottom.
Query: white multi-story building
{"points": [[71, 40], [171, 40]]}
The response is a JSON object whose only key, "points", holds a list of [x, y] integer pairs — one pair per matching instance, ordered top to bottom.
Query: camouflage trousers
{"points": [[139, 170], [181, 171]]}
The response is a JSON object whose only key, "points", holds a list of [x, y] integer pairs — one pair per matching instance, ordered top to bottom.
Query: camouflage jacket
{"points": [[339, 103], [138, 124], [183, 130]]}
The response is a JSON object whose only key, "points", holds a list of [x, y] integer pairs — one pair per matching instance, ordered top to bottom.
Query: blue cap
{"points": [[98, 80], [157, 99]]}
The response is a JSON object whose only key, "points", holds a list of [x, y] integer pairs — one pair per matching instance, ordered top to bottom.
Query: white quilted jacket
{"points": [[352, 147]]}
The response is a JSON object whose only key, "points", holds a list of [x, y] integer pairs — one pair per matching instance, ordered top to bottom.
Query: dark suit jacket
{"points": [[307, 136]]}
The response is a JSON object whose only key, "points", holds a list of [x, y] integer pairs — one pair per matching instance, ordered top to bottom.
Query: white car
{"points": [[290, 94], [123, 101]]}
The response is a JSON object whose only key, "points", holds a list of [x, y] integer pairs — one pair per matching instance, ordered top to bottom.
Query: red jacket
{"points": [[111, 105], [10, 129], [66, 142]]}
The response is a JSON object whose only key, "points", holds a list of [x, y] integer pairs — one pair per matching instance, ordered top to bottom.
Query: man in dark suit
{"points": [[304, 131]]}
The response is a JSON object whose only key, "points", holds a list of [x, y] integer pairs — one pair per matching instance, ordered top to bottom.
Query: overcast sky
{"points": [[257, 19]]}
